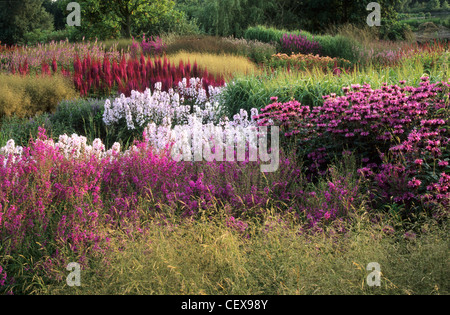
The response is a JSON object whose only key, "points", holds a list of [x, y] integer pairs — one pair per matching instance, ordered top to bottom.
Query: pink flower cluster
{"points": [[291, 43], [153, 46], [400, 132], [65, 205]]}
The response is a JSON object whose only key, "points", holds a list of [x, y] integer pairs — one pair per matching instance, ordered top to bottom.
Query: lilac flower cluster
{"points": [[291, 43], [153, 46]]}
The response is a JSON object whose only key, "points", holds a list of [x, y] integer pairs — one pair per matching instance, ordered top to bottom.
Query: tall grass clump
{"points": [[201, 44], [217, 65], [25, 96], [78, 116], [273, 257]]}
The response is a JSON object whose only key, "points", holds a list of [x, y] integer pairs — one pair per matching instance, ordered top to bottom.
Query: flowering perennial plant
{"points": [[292, 43], [153, 46], [63, 53], [309, 61], [94, 76], [165, 108], [408, 125], [61, 199]]}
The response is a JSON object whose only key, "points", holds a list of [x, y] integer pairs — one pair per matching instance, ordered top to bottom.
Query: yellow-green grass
{"points": [[222, 64], [25, 96], [272, 257]]}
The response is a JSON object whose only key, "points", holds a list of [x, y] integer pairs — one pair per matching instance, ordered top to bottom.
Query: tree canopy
{"points": [[19, 17]]}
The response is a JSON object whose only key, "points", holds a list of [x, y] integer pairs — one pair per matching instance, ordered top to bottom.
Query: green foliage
{"points": [[433, 5], [59, 13], [20, 17], [225, 17], [233, 17], [105, 19], [394, 30], [267, 34], [44, 36], [339, 47], [308, 87], [21, 130]]}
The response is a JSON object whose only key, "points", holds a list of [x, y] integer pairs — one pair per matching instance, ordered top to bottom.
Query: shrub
{"points": [[394, 30], [266, 34], [37, 36], [339, 47], [257, 51], [26, 96]]}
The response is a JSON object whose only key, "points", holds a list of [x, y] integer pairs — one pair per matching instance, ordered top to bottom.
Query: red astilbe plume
{"points": [[54, 65], [77, 66], [149, 68], [45, 69], [195, 70], [107, 75]]}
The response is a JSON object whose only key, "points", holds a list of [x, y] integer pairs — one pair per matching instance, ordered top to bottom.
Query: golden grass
{"points": [[223, 64], [25, 96]]}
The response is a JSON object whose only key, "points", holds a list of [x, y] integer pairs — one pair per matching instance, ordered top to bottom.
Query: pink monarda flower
{"points": [[418, 161], [443, 163], [414, 183]]}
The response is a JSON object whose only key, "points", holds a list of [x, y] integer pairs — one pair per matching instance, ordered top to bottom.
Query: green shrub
{"points": [[394, 30], [267, 34], [37, 36], [339, 47], [259, 52], [25, 96], [81, 116], [21, 130]]}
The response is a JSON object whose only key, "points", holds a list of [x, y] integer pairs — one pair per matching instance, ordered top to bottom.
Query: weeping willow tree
{"points": [[226, 17]]}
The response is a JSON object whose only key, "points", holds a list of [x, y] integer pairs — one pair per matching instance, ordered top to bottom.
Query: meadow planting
{"points": [[98, 165]]}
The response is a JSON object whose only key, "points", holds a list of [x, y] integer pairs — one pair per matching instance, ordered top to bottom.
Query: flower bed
{"points": [[400, 133]]}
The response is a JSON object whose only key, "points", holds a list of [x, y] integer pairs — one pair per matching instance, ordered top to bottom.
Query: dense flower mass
{"points": [[292, 43], [309, 61], [95, 75], [168, 107], [407, 124], [64, 196]]}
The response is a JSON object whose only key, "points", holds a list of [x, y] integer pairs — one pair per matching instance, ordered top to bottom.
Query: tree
{"points": [[433, 5], [445, 5], [319, 15], [59, 16], [19, 17], [127, 18]]}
